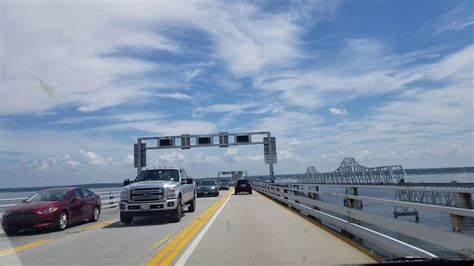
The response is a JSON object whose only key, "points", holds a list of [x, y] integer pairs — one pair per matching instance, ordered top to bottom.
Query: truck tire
{"points": [[192, 206], [178, 212], [126, 219]]}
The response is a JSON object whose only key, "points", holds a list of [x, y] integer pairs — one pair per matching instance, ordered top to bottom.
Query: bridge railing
{"points": [[109, 199], [306, 199]]}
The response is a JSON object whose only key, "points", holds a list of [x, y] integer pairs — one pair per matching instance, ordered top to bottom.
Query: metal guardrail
{"points": [[303, 197]]}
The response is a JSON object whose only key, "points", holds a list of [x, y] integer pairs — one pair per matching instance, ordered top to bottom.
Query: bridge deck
{"points": [[252, 229]]}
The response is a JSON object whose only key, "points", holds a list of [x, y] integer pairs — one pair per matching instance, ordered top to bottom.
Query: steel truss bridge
{"points": [[393, 177]]}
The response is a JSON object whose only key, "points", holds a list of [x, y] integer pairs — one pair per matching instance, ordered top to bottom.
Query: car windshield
{"points": [[158, 175], [243, 182], [207, 183], [48, 195]]}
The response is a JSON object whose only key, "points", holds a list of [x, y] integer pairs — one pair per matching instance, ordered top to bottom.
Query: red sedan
{"points": [[52, 208]]}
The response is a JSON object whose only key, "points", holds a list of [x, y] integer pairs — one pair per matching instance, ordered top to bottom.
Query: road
{"points": [[229, 229]]}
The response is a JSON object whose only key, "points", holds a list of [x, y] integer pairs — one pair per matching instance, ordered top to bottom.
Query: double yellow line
{"points": [[20, 248], [170, 251]]}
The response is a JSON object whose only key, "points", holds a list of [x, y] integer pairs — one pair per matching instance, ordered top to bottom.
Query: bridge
{"points": [[312, 221]]}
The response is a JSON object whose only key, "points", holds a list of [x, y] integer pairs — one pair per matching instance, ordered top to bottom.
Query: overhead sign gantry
{"points": [[222, 139], [234, 174]]}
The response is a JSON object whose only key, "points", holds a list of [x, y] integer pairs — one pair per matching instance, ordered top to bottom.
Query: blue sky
{"points": [[386, 82]]}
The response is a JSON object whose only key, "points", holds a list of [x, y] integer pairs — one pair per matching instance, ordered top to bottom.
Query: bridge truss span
{"points": [[350, 172]]}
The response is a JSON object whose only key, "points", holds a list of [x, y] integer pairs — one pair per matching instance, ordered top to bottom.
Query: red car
{"points": [[52, 208]]}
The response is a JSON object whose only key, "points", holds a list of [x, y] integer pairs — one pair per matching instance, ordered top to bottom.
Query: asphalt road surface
{"points": [[226, 230]]}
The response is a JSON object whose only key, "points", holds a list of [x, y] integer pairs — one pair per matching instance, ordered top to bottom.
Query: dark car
{"points": [[224, 185], [243, 185], [207, 187], [52, 208]]}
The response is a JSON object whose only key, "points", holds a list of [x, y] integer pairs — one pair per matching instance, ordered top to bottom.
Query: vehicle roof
{"points": [[162, 168], [59, 188]]}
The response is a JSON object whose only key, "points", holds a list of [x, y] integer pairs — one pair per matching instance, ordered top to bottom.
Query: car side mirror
{"points": [[190, 181], [127, 182], [75, 199]]}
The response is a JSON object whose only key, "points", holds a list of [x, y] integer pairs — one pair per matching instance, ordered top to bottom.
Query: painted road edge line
{"points": [[23, 247], [173, 248], [189, 251]]}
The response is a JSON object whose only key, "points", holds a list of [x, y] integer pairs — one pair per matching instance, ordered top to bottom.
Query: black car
{"points": [[243, 185], [207, 188]]}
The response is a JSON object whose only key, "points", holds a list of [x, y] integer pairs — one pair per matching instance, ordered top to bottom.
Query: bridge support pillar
{"points": [[353, 204], [462, 223]]}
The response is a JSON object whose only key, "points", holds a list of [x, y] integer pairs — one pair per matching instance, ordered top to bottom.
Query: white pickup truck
{"points": [[155, 192]]}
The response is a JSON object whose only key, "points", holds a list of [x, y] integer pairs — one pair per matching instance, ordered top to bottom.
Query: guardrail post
{"points": [[314, 196], [353, 204], [460, 223]]}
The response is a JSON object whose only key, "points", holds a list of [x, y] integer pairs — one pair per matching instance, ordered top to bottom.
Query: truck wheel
{"points": [[192, 206], [178, 212], [125, 219]]}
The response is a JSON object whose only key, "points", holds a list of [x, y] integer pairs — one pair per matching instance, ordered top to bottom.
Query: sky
{"points": [[386, 82]]}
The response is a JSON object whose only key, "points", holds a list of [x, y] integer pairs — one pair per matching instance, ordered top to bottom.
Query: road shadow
{"points": [[145, 221], [32, 232]]}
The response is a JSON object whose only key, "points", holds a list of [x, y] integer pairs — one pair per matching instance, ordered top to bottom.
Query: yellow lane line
{"points": [[100, 225], [162, 242], [170, 247], [20, 248], [170, 251]]}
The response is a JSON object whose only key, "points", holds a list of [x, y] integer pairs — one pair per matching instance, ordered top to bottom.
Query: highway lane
{"points": [[253, 230], [109, 243]]}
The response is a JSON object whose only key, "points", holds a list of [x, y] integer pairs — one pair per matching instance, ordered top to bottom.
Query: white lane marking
{"points": [[196, 241]]}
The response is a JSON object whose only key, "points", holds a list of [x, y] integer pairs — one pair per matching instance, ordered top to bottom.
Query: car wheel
{"points": [[250, 192], [192, 207], [178, 212], [95, 214], [126, 219], [62, 221], [11, 231]]}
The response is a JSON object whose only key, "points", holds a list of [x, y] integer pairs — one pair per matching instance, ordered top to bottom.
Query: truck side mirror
{"points": [[190, 181], [126, 182]]}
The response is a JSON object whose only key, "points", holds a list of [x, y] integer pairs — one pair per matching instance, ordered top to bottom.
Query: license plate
{"points": [[243, 185], [206, 192], [145, 207]]}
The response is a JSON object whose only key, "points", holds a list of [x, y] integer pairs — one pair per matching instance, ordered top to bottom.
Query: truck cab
{"points": [[157, 192]]}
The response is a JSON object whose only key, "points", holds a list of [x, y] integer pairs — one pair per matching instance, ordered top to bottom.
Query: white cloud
{"points": [[70, 47], [373, 73], [177, 95], [224, 108], [337, 111], [294, 142], [95, 159], [72, 164]]}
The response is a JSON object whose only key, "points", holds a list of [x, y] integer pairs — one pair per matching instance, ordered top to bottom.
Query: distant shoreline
{"points": [[413, 171]]}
